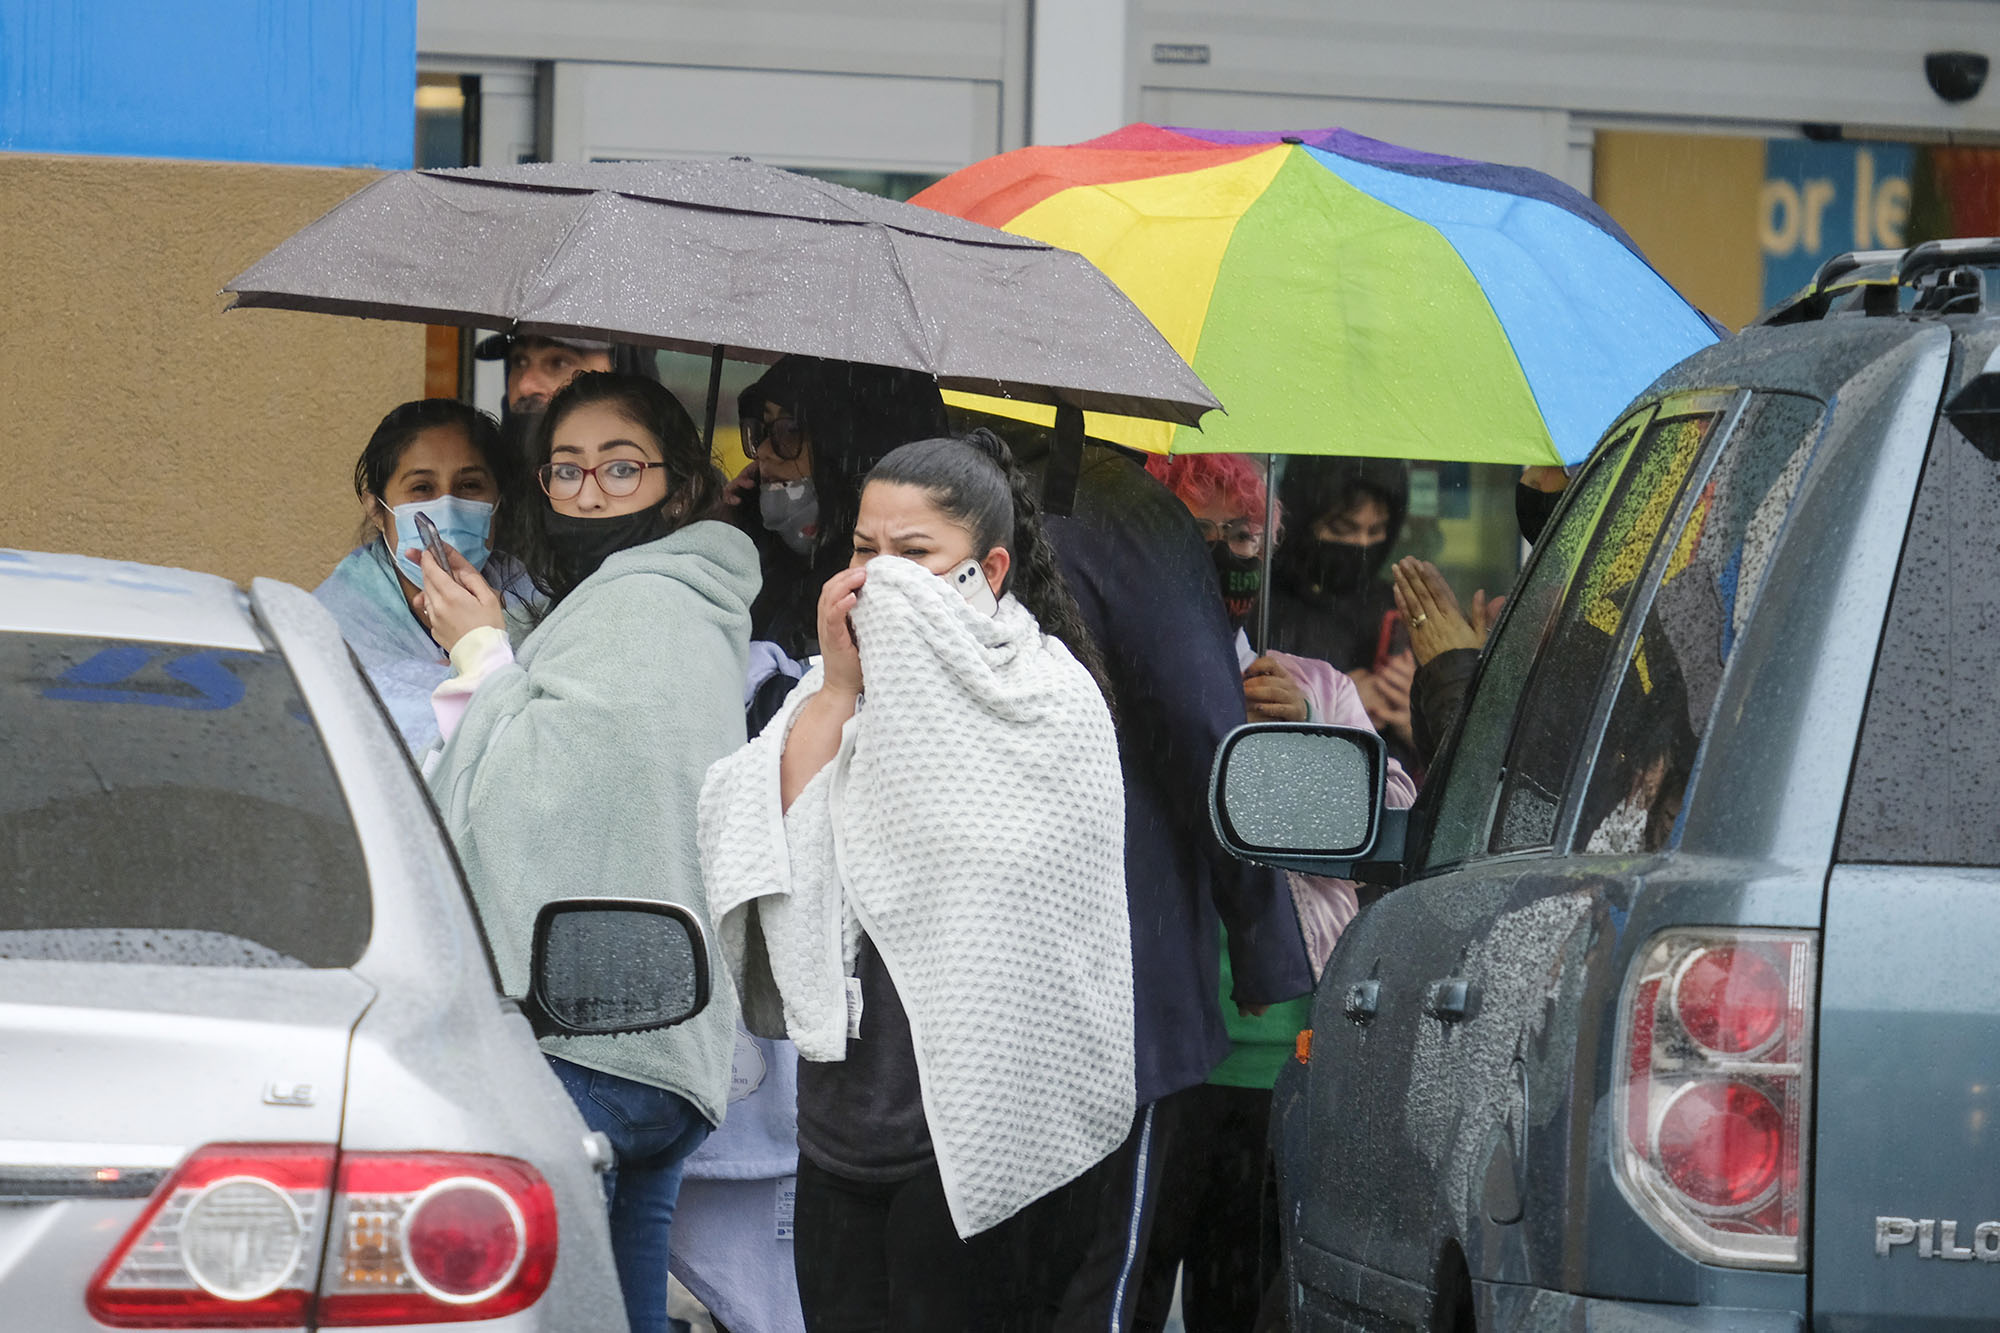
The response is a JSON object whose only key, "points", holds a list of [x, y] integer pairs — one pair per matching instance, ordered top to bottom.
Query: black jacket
{"points": [[1147, 588], [786, 610], [1344, 632], [1436, 695]]}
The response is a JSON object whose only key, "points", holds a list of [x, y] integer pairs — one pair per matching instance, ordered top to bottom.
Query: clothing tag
{"points": [[853, 1007], [746, 1069], [781, 1215]]}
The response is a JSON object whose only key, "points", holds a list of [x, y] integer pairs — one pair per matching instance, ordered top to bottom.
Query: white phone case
{"points": [[970, 580]]}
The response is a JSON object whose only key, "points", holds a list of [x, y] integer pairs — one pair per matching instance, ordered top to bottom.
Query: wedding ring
{"points": [[1418, 619]]}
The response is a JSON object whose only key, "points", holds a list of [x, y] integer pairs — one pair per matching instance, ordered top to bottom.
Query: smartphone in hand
{"points": [[435, 544]]}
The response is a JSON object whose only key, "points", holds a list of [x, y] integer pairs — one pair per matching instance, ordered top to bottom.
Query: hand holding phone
{"points": [[435, 544]]}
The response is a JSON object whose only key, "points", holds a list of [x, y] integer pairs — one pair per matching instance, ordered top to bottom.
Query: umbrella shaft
{"points": [[714, 400], [1270, 536]]}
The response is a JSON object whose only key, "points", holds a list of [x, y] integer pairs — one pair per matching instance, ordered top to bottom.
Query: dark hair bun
{"points": [[995, 448]]}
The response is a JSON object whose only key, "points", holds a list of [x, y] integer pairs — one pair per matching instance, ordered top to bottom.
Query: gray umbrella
{"points": [[737, 259]]}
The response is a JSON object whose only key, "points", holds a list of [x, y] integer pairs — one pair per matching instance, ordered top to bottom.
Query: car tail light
{"points": [[1713, 1091], [234, 1238], [429, 1238], [230, 1239]]}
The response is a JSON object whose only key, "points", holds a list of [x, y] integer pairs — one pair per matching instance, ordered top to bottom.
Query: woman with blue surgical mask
{"points": [[443, 459]]}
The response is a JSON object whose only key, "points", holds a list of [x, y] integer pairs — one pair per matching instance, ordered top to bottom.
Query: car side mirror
{"points": [[1304, 796], [602, 966]]}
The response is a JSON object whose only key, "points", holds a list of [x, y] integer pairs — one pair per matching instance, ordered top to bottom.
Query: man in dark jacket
{"points": [[1146, 585]]}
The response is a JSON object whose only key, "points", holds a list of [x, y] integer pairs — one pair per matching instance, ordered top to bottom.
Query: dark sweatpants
{"points": [[1216, 1221], [884, 1257]]}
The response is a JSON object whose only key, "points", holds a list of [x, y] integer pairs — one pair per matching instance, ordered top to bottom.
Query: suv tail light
{"points": [[1713, 1092], [235, 1239]]}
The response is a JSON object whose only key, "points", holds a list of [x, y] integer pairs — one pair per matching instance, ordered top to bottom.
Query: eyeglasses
{"points": [[786, 435], [620, 477], [1238, 533]]}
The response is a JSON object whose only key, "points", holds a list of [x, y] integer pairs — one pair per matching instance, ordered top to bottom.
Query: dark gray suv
{"points": [[1684, 1011]]}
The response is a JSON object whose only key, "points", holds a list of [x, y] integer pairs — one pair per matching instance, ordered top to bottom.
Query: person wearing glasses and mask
{"points": [[811, 430], [443, 459], [573, 762]]}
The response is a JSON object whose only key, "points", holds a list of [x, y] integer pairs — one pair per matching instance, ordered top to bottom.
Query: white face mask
{"points": [[791, 509]]}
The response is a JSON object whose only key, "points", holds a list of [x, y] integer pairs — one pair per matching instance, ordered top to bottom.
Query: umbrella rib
{"points": [[592, 200], [889, 235], [1000, 240]]}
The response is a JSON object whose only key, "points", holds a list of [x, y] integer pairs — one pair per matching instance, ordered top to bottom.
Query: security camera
{"points": [[1956, 76]]}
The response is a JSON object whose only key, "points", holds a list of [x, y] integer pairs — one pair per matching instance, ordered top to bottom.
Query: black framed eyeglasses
{"points": [[787, 436], [617, 478]]}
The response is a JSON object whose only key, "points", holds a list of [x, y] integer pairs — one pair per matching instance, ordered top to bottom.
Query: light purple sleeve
{"points": [[1334, 700]]}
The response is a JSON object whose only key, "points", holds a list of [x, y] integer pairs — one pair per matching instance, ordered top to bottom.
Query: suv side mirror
{"points": [[1304, 796], [608, 965]]}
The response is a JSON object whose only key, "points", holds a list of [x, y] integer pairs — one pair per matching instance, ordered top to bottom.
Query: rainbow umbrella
{"points": [[1346, 296]]}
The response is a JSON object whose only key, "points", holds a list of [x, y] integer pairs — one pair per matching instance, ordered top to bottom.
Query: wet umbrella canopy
{"points": [[735, 257], [1347, 296]]}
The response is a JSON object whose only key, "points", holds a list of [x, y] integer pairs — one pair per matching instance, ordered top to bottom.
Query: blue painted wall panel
{"points": [[313, 82], [1823, 199]]}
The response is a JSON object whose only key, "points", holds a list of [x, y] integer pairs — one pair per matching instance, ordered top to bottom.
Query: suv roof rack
{"points": [[1946, 277]]}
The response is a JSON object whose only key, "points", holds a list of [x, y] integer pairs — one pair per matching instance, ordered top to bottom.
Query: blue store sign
{"points": [[1820, 199]]}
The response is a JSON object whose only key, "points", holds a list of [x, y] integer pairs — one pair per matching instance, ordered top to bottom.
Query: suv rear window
{"points": [[1705, 597], [1554, 715], [1465, 784], [1926, 786], [167, 803]]}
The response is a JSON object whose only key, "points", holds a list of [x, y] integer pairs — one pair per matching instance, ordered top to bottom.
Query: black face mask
{"points": [[1532, 509], [580, 545], [1340, 568], [1240, 577]]}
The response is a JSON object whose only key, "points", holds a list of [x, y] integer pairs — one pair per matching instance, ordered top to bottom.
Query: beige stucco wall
{"points": [[1690, 201], [144, 423]]}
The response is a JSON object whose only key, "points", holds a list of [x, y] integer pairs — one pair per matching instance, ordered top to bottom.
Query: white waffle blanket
{"points": [[973, 825]]}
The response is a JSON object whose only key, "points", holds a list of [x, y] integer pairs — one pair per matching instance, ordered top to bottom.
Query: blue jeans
{"points": [[652, 1131]]}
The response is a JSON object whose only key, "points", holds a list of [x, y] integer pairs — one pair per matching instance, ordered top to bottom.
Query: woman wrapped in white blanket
{"points": [[923, 887]]}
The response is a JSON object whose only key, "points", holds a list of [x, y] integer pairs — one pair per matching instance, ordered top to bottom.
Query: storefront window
{"points": [[447, 136]]}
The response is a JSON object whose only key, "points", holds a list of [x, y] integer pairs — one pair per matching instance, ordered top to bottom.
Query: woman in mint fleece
{"points": [[574, 766]]}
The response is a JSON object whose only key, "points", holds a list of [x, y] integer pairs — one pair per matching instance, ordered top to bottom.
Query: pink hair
{"points": [[1198, 479]]}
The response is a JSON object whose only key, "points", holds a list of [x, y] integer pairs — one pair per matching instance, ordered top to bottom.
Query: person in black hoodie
{"points": [[812, 429], [1329, 598]]}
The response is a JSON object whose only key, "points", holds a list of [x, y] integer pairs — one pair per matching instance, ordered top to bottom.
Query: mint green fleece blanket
{"points": [[577, 769]]}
